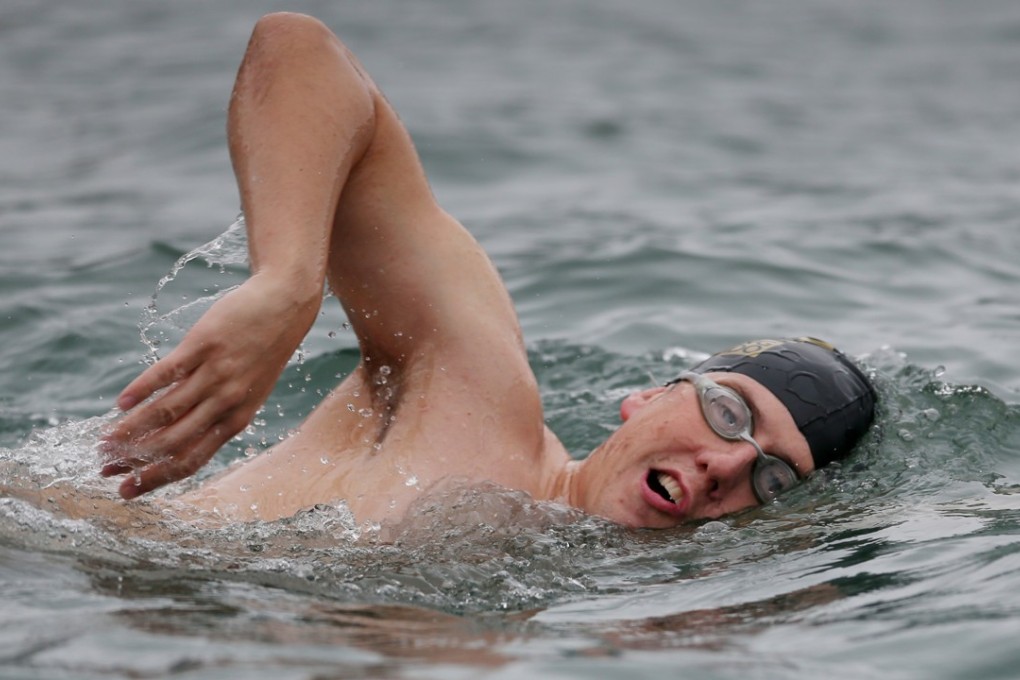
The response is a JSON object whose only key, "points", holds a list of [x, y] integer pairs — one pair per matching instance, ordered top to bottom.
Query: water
{"points": [[654, 182]]}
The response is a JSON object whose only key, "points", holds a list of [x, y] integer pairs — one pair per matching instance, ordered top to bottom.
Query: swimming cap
{"points": [[831, 400]]}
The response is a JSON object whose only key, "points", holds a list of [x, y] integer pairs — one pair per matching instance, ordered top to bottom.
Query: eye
{"points": [[727, 413], [771, 478]]}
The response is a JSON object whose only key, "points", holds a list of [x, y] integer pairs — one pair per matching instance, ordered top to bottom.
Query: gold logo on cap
{"points": [[816, 341], [753, 348]]}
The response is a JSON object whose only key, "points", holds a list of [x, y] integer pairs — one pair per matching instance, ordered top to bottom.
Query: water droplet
{"points": [[331, 335], [350, 407], [365, 413], [324, 460], [411, 481]]}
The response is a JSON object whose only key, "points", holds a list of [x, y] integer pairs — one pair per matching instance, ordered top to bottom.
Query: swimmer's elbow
{"points": [[290, 26], [304, 35], [305, 46]]}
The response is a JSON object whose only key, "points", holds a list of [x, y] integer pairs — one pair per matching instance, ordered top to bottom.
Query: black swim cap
{"points": [[831, 400]]}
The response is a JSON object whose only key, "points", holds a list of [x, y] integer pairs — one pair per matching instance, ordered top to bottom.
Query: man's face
{"points": [[665, 465]]}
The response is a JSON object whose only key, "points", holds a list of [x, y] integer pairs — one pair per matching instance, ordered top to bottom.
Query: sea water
{"points": [[654, 181]]}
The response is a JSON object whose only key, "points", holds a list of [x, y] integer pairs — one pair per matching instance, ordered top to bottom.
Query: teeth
{"points": [[671, 487]]}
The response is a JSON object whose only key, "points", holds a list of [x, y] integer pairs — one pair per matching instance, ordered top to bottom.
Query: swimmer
{"points": [[333, 193]]}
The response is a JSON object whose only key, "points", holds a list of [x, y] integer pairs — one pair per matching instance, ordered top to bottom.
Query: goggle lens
{"points": [[726, 412], [730, 417], [772, 477]]}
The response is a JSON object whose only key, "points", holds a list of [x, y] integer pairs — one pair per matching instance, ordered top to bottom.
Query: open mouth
{"points": [[665, 486]]}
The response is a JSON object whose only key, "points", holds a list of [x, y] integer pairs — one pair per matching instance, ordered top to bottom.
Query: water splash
{"points": [[158, 329], [63, 453], [483, 550]]}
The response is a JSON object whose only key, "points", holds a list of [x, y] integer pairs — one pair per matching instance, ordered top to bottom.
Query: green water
{"points": [[654, 182]]}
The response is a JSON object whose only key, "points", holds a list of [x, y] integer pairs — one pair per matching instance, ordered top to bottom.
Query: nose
{"points": [[728, 464]]}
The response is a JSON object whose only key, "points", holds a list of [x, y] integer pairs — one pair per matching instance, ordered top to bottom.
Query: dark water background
{"points": [[655, 180]]}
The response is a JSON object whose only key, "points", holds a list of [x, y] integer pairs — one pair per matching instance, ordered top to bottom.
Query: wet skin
{"points": [[333, 193], [665, 433]]}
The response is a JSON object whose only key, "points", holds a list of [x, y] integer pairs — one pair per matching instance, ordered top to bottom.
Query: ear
{"points": [[635, 401]]}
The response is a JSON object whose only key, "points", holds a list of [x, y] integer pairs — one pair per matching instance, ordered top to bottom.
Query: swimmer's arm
{"points": [[292, 153], [330, 181]]}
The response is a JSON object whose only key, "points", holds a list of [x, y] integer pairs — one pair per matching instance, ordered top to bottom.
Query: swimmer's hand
{"points": [[217, 378]]}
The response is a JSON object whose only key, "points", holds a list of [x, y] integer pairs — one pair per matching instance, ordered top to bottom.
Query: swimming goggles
{"points": [[729, 416]]}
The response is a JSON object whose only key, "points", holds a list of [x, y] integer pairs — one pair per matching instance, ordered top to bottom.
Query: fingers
{"points": [[175, 367], [163, 411], [158, 432], [173, 452], [120, 459], [118, 468], [175, 468]]}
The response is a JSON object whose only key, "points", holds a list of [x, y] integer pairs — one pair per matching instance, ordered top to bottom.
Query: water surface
{"points": [[654, 183]]}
